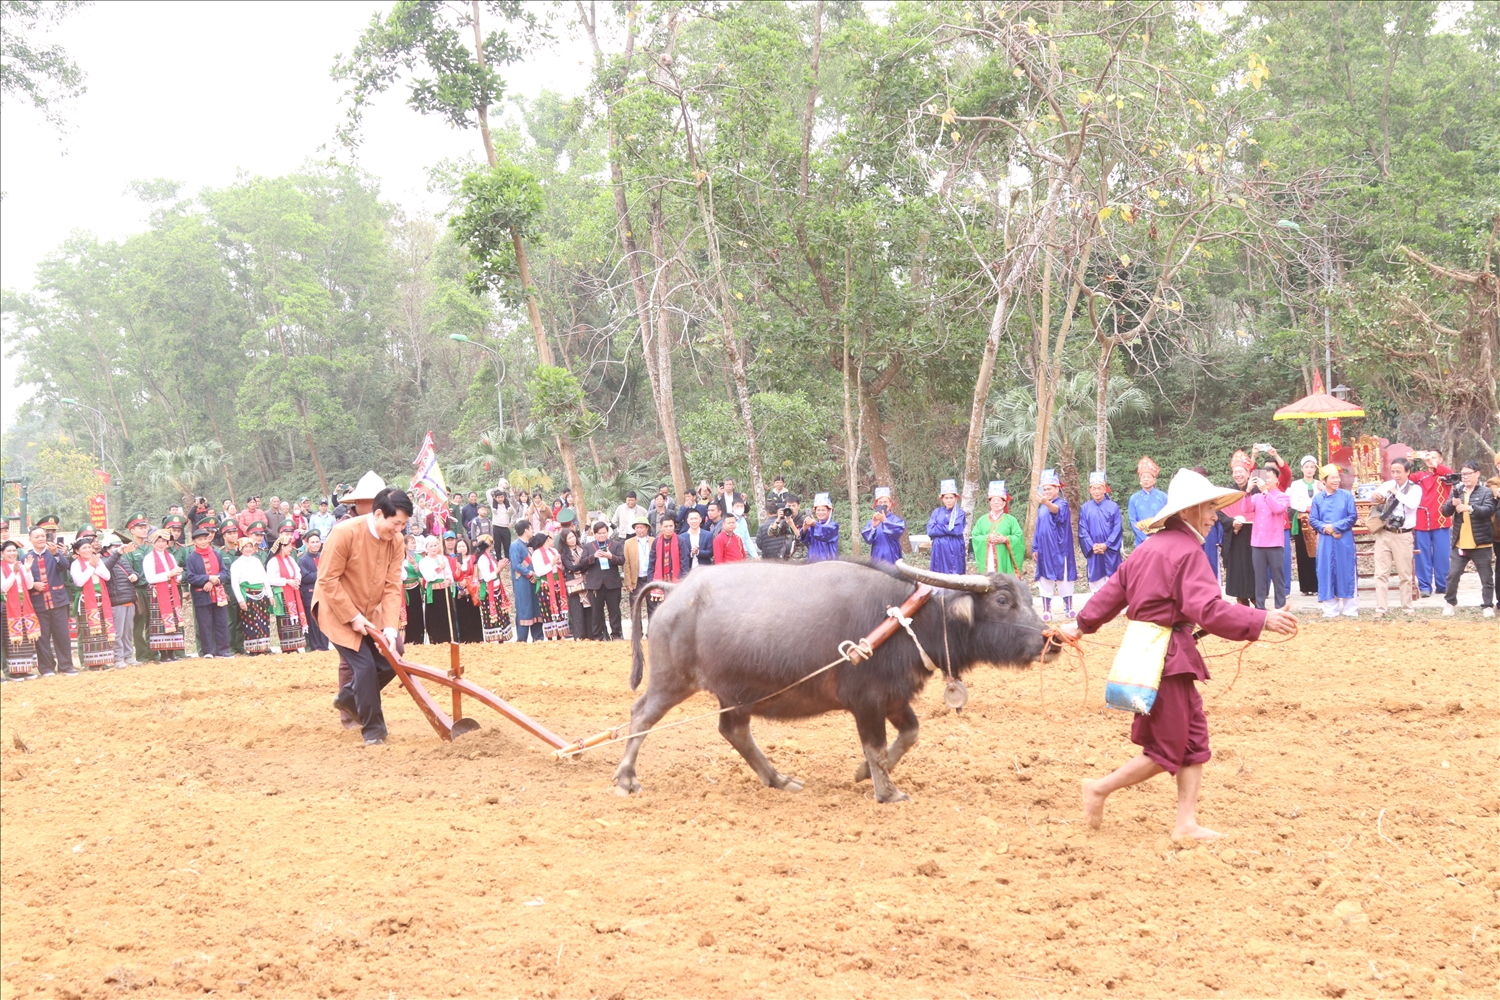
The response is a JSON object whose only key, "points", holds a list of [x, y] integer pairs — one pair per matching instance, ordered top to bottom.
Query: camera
{"points": [[1453, 478], [786, 512]]}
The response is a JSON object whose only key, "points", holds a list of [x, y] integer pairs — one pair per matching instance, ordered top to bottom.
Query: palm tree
{"points": [[1010, 430], [496, 450], [182, 470]]}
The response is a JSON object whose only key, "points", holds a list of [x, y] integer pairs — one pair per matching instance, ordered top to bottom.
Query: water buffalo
{"points": [[744, 630]]}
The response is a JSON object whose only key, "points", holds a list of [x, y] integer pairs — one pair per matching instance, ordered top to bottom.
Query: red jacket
{"points": [[1434, 493], [728, 547]]}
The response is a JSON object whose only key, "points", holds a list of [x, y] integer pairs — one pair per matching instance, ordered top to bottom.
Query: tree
{"points": [[41, 75], [183, 469]]}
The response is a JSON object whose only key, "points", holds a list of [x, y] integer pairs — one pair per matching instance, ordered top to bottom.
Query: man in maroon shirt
{"points": [[1169, 584]]}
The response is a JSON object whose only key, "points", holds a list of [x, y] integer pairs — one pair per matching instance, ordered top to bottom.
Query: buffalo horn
{"points": [[972, 582]]}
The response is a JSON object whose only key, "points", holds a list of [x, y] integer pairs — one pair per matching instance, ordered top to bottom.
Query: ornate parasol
{"points": [[1318, 406]]}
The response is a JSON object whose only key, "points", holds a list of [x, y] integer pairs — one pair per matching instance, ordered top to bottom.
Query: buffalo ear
{"points": [[963, 609]]}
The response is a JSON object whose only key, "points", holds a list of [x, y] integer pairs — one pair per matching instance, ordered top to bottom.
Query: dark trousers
{"points": [[502, 539], [1458, 559], [1270, 563], [1307, 567], [605, 601], [580, 618], [213, 629], [236, 630], [316, 641], [54, 648], [143, 651], [371, 673]]}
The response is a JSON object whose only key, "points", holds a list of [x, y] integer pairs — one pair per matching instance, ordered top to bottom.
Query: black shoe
{"points": [[69, 672]]}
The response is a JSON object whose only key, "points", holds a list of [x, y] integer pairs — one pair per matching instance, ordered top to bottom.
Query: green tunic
{"points": [[1007, 527]]}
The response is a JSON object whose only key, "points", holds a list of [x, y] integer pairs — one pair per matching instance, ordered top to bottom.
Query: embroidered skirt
{"points": [[493, 616], [255, 619], [164, 626], [290, 633], [96, 636], [20, 643]]}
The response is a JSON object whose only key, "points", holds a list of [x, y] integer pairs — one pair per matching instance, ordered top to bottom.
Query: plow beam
{"points": [[408, 674]]}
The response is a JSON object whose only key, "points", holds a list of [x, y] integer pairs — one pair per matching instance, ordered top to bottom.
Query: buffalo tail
{"points": [[638, 601]]}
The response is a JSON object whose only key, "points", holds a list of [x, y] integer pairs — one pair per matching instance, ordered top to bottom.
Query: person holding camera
{"points": [[1472, 507], [1268, 520], [885, 530], [820, 533], [777, 537], [1394, 543]]}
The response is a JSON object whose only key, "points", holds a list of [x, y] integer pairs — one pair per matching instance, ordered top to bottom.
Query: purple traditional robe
{"points": [[1100, 522], [946, 529], [885, 539], [822, 540], [1053, 543], [1168, 583]]}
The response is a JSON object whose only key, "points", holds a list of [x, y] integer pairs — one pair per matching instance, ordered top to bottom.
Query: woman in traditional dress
{"points": [[1332, 515], [1236, 520], [945, 529], [999, 543], [575, 562], [284, 577], [247, 578], [437, 581], [552, 588], [466, 594], [164, 597], [92, 609], [528, 612], [493, 617], [413, 620], [19, 622]]}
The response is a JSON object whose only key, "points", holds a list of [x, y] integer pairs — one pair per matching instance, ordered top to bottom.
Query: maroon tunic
{"points": [[1170, 584]]}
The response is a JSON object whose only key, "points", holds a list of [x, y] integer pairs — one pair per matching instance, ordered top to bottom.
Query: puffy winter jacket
{"points": [[1482, 504]]}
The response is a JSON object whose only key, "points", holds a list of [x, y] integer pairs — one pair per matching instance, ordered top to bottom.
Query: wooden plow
{"points": [[449, 727]]}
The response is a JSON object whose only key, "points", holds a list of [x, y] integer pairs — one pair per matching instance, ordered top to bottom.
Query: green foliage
{"points": [[39, 74], [499, 206], [557, 403], [794, 441], [60, 480]]}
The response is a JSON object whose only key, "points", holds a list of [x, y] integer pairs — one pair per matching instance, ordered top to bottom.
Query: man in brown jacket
{"points": [[359, 593]]}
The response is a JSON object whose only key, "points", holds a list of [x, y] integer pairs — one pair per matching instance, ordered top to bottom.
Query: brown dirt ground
{"points": [[208, 827]]}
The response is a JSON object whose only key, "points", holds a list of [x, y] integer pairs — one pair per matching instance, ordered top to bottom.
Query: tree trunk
{"points": [[484, 111], [661, 325], [1049, 375], [1101, 391], [874, 435], [851, 450]]}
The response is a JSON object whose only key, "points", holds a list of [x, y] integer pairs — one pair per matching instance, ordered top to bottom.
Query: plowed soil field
{"points": [[207, 827]]}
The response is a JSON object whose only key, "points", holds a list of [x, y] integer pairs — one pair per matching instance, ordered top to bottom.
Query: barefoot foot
{"points": [[1093, 804], [1192, 831]]}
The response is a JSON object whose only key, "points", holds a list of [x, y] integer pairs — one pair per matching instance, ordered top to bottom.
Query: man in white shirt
{"points": [[625, 515], [1394, 544]]}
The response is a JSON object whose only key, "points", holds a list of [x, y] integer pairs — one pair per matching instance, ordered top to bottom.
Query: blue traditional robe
{"points": [[1144, 505], [1100, 522], [946, 529], [885, 539], [822, 540], [1053, 544], [1211, 546], [1337, 576], [523, 588]]}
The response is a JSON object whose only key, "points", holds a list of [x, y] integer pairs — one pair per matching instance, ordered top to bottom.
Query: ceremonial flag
{"points": [[1335, 431], [428, 483], [99, 502]]}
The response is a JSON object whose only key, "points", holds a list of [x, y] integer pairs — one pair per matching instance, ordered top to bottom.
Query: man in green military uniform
{"points": [[998, 541], [229, 552], [135, 558]]}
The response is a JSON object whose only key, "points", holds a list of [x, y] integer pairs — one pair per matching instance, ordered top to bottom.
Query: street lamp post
{"points": [[499, 373]]}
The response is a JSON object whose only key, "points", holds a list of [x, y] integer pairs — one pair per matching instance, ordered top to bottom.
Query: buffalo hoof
{"points": [[862, 772], [789, 784], [627, 786], [896, 796]]}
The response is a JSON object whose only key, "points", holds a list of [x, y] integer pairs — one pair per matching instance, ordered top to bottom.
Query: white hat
{"points": [[1306, 459], [1049, 478], [1098, 478], [369, 484], [948, 486], [997, 488], [1189, 489], [882, 493], [821, 500]]}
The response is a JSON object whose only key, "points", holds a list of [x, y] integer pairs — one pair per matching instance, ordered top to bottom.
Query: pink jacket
{"points": [[1268, 512]]}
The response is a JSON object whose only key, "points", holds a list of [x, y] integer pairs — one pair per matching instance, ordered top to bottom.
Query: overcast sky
{"points": [[200, 93]]}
